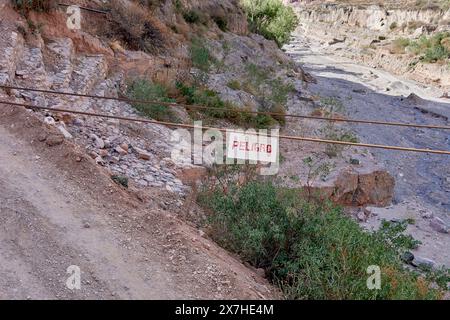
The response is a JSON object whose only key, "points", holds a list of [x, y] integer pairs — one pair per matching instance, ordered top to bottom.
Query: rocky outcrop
{"points": [[55, 65], [356, 187]]}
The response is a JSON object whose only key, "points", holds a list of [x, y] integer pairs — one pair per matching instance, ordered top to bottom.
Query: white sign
{"points": [[74, 19], [252, 146]]}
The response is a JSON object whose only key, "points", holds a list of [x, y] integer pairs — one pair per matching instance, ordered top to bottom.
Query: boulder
{"points": [[358, 187]]}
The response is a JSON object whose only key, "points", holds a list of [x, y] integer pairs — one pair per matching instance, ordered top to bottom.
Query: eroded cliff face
{"points": [[373, 17], [366, 34]]}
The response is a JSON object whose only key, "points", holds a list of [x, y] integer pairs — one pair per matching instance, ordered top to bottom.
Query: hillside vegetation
{"points": [[271, 18], [432, 49], [309, 248]]}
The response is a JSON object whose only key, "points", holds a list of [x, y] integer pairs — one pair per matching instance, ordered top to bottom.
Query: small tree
{"points": [[271, 18]]}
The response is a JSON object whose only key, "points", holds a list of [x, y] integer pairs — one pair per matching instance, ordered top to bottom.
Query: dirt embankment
{"points": [[58, 208]]}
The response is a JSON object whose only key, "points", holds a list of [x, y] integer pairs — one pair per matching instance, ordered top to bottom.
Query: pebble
{"points": [[49, 121], [54, 140], [98, 142], [124, 146], [121, 151], [103, 153], [99, 160], [149, 178], [143, 183], [426, 214], [361, 216]]}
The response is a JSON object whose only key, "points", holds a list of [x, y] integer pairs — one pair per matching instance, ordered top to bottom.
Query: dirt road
{"points": [[58, 209]]}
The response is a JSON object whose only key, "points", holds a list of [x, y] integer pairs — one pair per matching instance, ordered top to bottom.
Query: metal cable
{"points": [[193, 106], [179, 125]]}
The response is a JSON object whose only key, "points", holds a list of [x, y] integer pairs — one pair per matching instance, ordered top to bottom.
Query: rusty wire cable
{"points": [[83, 8], [194, 106], [189, 126]]}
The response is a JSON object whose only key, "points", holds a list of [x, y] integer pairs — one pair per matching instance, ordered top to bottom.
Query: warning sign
{"points": [[252, 146]]}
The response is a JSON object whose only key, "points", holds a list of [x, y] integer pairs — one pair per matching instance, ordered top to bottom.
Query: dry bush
{"points": [[33, 5], [133, 24], [398, 46]]}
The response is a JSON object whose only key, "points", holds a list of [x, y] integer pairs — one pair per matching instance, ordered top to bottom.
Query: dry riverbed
{"points": [[422, 191]]}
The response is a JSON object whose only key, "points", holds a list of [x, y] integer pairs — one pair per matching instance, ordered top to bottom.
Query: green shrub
{"points": [[191, 16], [271, 18], [221, 23], [430, 49], [435, 54], [200, 55], [234, 84], [144, 90], [280, 91], [272, 94], [222, 109], [120, 180], [312, 250]]}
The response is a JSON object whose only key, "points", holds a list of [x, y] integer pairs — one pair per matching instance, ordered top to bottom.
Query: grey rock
{"points": [[49, 121], [98, 142], [99, 160], [143, 183], [426, 214], [361, 216], [439, 225], [407, 257], [423, 262]]}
